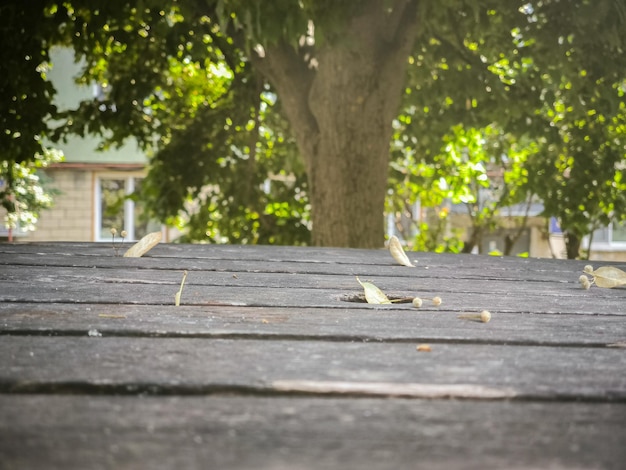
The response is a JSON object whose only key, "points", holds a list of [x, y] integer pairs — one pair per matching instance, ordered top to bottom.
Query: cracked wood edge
{"points": [[394, 389]]}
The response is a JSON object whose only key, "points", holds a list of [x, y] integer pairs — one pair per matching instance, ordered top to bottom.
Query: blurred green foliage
{"points": [[511, 100], [23, 190]]}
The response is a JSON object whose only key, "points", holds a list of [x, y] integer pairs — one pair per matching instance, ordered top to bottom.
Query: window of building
{"points": [[116, 208], [618, 233], [610, 238]]}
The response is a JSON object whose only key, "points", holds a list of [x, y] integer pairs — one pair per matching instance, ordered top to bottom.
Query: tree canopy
{"points": [[268, 119]]}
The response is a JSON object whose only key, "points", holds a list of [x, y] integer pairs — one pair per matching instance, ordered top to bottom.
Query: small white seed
{"points": [[588, 269], [585, 283], [437, 301], [417, 302], [485, 316]]}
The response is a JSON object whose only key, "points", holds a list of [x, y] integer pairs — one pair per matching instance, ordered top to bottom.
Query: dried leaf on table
{"points": [[144, 245], [396, 250], [609, 276], [180, 291], [373, 294]]}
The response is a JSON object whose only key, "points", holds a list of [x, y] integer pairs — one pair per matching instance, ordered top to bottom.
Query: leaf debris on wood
{"points": [[144, 245], [397, 252], [605, 276], [180, 291], [373, 294], [484, 316]]}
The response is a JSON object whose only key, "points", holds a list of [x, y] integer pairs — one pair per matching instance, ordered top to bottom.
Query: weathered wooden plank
{"points": [[259, 252], [272, 253], [301, 260], [364, 267], [446, 267], [401, 279], [63, 284], [518, 285], [562, 299], [357, 324], [194, 365], [539, 389], [78, 432]]}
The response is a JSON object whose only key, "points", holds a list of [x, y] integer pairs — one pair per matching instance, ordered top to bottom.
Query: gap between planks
{"points": [[121, 333], [308, 388]]}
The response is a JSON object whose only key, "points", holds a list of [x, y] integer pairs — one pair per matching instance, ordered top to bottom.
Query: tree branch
{"points": [[403, 22], [402, 28], [289, 73]]}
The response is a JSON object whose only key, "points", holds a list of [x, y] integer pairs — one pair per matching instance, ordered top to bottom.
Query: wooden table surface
{"points": [[273, 361]]}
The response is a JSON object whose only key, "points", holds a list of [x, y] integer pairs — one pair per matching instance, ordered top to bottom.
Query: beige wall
{"points": [[71, 217], [541, 246], [608, 255]]}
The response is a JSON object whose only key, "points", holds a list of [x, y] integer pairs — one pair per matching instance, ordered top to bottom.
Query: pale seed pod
{"points": [[396, 250], [588, 269], [584, 282], [437, 301], [417, 302], [484, 316]]}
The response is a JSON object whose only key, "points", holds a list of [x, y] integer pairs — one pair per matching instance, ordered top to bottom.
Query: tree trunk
{"points": [[340, 108], [348, 170], [475, 239], [572, 245]]}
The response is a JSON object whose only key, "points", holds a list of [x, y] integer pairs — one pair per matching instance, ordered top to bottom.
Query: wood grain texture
{"points": [[295, 277], [357, 322], [273, 362], [193, 365], [95, 432]]}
